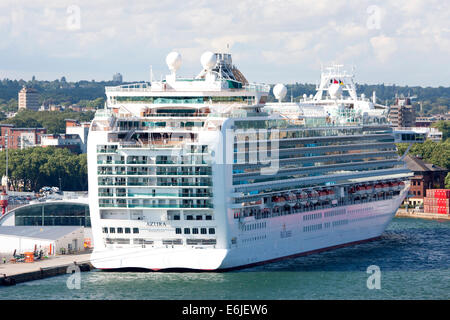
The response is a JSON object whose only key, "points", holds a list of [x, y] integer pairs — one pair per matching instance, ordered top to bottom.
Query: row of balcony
{"points": [[144, 173], [181, 184], [181, 194], [182, 206]]}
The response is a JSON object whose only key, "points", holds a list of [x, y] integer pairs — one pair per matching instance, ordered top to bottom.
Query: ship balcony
{"points": [[107, 150], [138, 162], [198, 173], [111, 183], [105, 194], [176, 195], [181, 206]]}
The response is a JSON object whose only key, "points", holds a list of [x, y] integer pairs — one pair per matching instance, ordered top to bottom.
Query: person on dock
{"points": [[4, 260]]}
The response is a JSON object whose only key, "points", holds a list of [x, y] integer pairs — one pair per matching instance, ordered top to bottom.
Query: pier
{"points": [[13, 273]]}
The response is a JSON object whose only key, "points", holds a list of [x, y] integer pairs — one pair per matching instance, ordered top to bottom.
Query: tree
{"points": [[444, 127], [32, 168], [447, 181]]}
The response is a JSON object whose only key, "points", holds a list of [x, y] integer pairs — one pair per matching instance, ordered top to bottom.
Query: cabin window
{"points": [[105, 230], [112, 230], [119, 230], [127, 230], [135, 230], [178, 230], [194, 230], [203, 230], [187, 231], [212, 231]]}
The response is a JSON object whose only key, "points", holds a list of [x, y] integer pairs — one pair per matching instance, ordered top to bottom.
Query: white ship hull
{"points": [[283, 237]]}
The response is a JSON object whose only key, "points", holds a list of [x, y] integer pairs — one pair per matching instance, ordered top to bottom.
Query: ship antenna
{"points": [[151, 74]]}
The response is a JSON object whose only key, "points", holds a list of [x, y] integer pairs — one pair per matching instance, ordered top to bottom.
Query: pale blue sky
{"points": [[404, 42]]}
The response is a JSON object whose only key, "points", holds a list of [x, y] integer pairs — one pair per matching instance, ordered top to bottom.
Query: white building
{"points": [[48, 239]]}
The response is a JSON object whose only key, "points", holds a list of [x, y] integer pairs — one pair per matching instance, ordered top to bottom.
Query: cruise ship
{"points": [[204, 173]]}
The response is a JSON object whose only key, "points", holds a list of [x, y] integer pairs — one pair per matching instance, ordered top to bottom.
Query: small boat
{"points": [[313, 196], [302, 197], [291, 199]]}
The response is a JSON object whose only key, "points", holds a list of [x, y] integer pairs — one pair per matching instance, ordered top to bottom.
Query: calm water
{"points": [[413, 256]]}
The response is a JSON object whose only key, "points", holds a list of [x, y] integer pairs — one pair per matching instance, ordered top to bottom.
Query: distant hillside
{"points": [[434, 100]]}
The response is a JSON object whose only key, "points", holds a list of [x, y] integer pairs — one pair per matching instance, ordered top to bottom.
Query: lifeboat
{"points": [[401, 185], [391, 186], [395, 186], [385, 187], [369, 188], [378, 188], [351, 190], [359, 190], [331, 194], [323, 195], [313, 196], [302, 197], [291, 199], [279, 201]]}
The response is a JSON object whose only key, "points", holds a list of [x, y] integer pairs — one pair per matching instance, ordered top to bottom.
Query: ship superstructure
{"points": [[204, 174]]}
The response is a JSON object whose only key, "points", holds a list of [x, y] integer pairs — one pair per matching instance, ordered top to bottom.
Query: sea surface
{"points": [[413, 257]]}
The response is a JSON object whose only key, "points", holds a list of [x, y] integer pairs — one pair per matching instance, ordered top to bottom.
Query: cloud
{"points": [[294, 36], [383, 47]]}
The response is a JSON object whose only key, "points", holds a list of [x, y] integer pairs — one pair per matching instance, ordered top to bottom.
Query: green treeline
{"points": [[54, 121], [437, 153], [33, 168]]}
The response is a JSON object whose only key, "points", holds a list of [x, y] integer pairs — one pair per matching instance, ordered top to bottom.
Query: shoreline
{"points": [[401, 213], [13, 273]]}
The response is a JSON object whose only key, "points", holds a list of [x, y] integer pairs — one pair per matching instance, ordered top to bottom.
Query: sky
{"points": [[403, 42]]}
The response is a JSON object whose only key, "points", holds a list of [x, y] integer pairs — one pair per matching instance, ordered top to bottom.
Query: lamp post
{"points": [[6, 146]]}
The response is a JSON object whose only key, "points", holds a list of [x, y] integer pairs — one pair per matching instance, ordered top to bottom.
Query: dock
{"points": [[421, 215], [13, 273]]}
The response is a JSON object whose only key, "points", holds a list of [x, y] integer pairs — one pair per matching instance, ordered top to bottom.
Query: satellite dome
{"points": [[208, 60], [173, 61], [335, 90], [279, 91]]}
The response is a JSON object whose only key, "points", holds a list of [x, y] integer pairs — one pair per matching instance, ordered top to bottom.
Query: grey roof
{"points": [[415, 164], [37, 232]]}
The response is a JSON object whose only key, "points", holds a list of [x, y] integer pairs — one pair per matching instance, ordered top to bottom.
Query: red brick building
{"points": [[19, 138], [426, 176]]}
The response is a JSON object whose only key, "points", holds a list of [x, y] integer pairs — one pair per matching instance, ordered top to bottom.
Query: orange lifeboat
{"points": [[378, 188], [360, 190], [331, 194], [323, 195], [313, 196], [302, 197], [291, 199], [278, 201]]}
